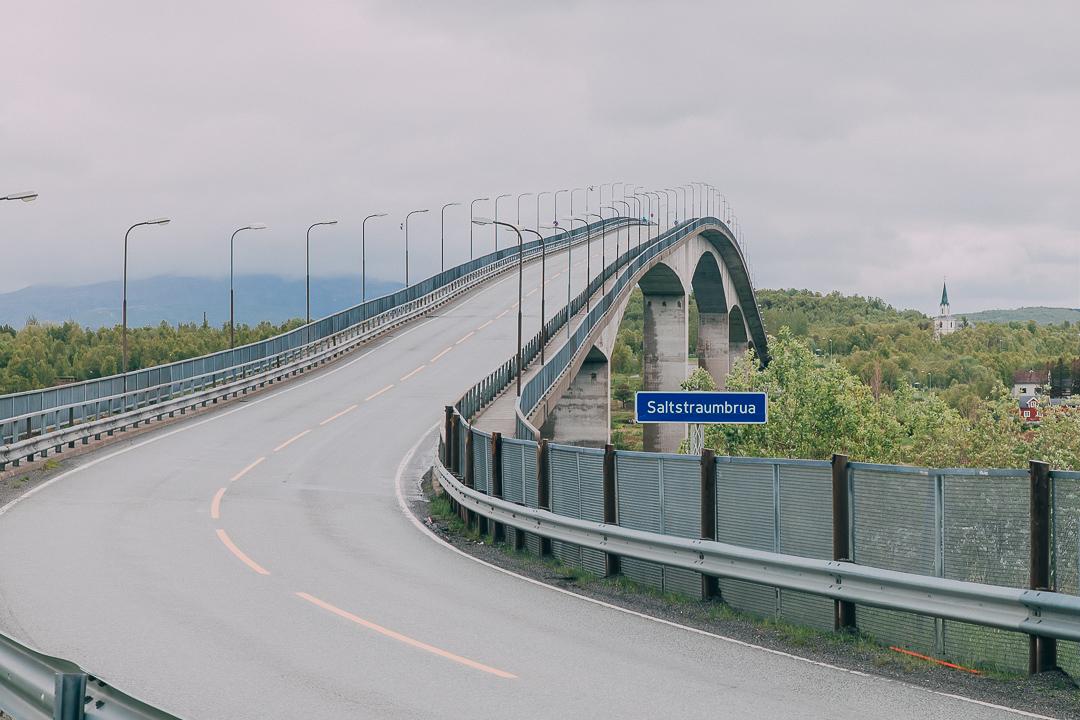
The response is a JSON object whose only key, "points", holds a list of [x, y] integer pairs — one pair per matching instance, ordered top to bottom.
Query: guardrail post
{"points": [[448, 433], [543, 487], [610, 509], [498, 530], [710, 586], [844, 613], [1042, 651], [69, 696]]}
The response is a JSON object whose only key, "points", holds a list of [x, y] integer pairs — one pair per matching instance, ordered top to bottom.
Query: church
{"points": [[944, 323]]}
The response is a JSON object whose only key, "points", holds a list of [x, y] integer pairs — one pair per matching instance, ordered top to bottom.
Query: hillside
{"points": [[1041, 315]]}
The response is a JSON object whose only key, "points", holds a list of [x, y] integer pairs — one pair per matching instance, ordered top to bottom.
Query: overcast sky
{"points": [[870, 148]]}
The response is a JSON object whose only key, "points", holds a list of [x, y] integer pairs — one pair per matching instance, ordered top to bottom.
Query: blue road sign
{"points": [[702, 407]]}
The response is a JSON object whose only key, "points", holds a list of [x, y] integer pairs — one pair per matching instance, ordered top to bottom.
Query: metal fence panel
{"points": [[481, 462], [513, 468], [680, 483], [591, 496], [638, 507], [746, 516], [895, 528], [806, 530], [987, 540], [1066, 549]]}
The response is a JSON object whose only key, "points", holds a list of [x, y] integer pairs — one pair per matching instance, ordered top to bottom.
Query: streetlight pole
{"points": [[584, 192], [675, 192], [25, 196], [538, 196], [519, 197], [673, 199], [622, 202], [693, 204], [555, 210], [637, 211], [407, 216], [472, 216], [495, 225], [442, 235], [603, 248], [308, 254], [363, 255], [521, 266], [569, 268], [543, 290], [232, 296], [123, 312]]}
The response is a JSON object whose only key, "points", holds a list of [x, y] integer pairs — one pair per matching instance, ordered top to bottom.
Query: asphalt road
{"points": [[255, 563]]}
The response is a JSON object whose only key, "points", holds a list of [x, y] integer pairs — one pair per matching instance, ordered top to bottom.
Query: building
{"points": [[944, 324], [1029, 382], [1029, 409]]}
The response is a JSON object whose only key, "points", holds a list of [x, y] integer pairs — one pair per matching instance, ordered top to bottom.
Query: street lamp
{"points": [[583, 192], [522, 195], [25, 196], [538, 196], [675, 202], [693, 205], [555, 210], [615, 210], [637, 211], [407, 216], [472, 216], [628, 216], [495, 223], [442, 235], [603, 250], [308, 254], [363, 255], [521, 266], [569, 267], [543, 290], [232, 297], [124, 342]]}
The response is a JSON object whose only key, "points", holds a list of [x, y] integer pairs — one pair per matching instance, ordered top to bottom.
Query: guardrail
{"points": [[168, 389], [34, 686]]}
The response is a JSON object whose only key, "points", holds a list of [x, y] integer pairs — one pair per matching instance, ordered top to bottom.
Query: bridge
{"points": [[244, 547]]}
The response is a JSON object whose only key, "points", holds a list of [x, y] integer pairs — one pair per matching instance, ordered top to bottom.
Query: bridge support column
{"points": [[713, 346], [664, 359], [583, 414]]}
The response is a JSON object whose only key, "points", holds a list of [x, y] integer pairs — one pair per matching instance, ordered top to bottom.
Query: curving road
{"points": [[255, 563]]}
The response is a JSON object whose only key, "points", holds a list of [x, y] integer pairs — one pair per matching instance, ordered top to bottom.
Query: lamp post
{"points": [[589, 188], [584, 192], [655, 195], [25, 196], [538, 196], [519, 197], [636, 199], [622, 202], [675, 202], [693, 203], [555, 210], [615, 210], [407, 216], [472, 216], [495, 225], [442, 235], [603, 249], [308, 254], [363, 255], [521, 265], [569, 268], [543, 290], [232, 296], [123, 312]]}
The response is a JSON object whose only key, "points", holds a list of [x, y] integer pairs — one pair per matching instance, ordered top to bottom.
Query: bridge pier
{"points": [[666, 339], [713, 346], [583, 414]]}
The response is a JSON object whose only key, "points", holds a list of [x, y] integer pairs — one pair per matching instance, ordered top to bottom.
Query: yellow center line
{"points": [[501, 315], [485, 325], [467, 336], [442, 353], [409, 375], [377, 393], [332, 418], [291, 440], [246, 470], [215, 504], [224, 538], [405, 638]]}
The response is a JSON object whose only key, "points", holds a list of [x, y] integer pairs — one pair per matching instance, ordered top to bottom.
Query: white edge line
{"points": [[404, 507]]}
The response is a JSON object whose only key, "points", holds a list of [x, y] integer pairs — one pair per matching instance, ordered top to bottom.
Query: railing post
{"points": [[448, 433], [543, 487], [610, 509], [498, 530], [710, 586], [844, 614], [1042, 651], [69, 700]]}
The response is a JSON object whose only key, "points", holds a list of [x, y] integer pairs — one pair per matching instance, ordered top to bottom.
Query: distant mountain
{"points": [[176, 299], [1041, 315]]}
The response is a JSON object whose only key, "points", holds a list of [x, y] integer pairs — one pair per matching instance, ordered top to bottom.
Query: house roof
{"points": [[1030, 377]]}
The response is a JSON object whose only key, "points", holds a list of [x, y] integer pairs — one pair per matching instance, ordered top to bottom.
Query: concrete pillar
{"points": [[713, 346], [664, 362], [583, 414]]}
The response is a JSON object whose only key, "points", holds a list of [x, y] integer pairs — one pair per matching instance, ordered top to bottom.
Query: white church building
{"points": [[944, 323]]}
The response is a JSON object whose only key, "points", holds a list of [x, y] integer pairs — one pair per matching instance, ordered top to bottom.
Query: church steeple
{"points": [[944, 299], [944, 323]]}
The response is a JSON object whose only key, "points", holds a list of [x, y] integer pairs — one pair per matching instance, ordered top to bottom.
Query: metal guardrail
{"points": [[48, 429], [1046, 614], [34, 686]]}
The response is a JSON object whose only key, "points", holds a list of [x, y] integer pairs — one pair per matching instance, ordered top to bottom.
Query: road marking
{"points": [[531, 292], [502, 314], [485, 325], [467, 336], [442, 353], [409, 375], [377, 393], [332, 418], [291, 440], [246, 470], [215, 504], [224, 537], [434, 537], [405, 638]]}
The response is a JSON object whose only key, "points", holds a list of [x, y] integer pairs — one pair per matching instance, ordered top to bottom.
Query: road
{"points": [[254, 562]]}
